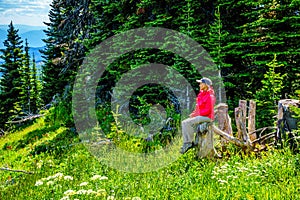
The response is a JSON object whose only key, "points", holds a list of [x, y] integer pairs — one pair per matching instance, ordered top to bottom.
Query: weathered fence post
{"points": [[240, 118], [251, 120], [224, 122]]}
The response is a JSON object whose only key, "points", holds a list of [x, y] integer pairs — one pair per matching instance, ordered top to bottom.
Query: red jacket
{"points": [[205, 104]]}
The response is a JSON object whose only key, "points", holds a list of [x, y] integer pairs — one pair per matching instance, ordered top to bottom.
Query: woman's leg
{"points": [[188, 129]]}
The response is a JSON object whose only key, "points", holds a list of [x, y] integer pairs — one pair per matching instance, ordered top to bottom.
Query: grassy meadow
{"points": [[62, 168]]}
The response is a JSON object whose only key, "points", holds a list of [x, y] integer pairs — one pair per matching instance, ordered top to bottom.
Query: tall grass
{"points": [[65, 169]]}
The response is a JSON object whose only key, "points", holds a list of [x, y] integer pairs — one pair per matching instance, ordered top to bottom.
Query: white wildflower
{"points": [[39, 164], [58, 175], [95, 177], [68, 178], [103, 178], [222, 181], [50, 182], [38, 183], [83, 184], [90, 191], [69, 192], [81, 192], [101, 192], [65, 198], [110, 198], [136, 198]]}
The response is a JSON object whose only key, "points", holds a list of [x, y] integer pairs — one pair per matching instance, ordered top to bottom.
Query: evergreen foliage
{"points": [[11, 80], [26, 82], [35, 91], [269, 94]]}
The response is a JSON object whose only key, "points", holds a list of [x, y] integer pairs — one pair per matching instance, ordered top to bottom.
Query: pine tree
{"points": [[271, 28], [216, 46], [64, 50], [53, 79], [11, 82], [26, 86], [35, 88], [268, 95]]}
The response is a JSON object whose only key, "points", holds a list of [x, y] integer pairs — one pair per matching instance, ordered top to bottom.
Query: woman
{"points": [[204, 112]]}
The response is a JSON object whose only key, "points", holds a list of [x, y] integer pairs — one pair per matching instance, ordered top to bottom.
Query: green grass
{"points": [[64, 171]]}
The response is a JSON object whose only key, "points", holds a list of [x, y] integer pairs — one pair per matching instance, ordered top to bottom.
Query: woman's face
{"points": [[203, 86]]}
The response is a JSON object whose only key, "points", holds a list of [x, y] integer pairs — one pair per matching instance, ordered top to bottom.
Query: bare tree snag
{"points": [[286, 103], [243, 106], [240, 119], [251, 119], [224, 122], [286, 122], [241, 127]]}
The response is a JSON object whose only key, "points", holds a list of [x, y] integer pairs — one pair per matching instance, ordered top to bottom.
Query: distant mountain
{"points": [[22, 28], [3, 34], [34, 34], [34, 38]]}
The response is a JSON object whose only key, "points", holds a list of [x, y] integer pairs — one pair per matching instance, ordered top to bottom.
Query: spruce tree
{"points": [[271, 28], [64, 50], [52, 77], [11, 81], [26, 86], [35, 88], [270, 93]]}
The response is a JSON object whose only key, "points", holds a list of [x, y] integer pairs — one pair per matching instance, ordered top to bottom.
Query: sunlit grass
{"points": [[73, 173]]}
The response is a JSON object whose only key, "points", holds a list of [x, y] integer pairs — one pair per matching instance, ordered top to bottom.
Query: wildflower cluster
{"points": [[229, 173], [51, 179], [80, 187]]}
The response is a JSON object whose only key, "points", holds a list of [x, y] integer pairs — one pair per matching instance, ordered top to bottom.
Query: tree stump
{"points": [[286, 123], [205, 141]]}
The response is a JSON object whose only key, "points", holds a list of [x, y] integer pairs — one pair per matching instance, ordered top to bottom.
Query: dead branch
{"points": [[25, 119], [262, 130], [265, 137], [232, 139], [15, 170]]}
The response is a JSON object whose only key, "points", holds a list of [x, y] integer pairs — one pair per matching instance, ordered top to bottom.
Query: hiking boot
{"points": [[185, 147]]}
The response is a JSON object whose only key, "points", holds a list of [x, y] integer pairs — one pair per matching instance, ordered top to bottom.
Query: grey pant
{"points": [[188, 129]]}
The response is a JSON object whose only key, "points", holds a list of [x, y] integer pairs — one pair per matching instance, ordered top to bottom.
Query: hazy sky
{"points": [[28, 12]]}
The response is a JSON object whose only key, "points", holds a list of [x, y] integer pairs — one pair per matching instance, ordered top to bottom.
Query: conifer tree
{"points": [[272, 28], [64, 45], [216, 46], [53, 79], [11, 82], [26, 86], [35, 88], [268, 95]]}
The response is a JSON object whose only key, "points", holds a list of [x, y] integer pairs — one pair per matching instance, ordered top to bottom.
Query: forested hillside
{"points": [[92, 46]]}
